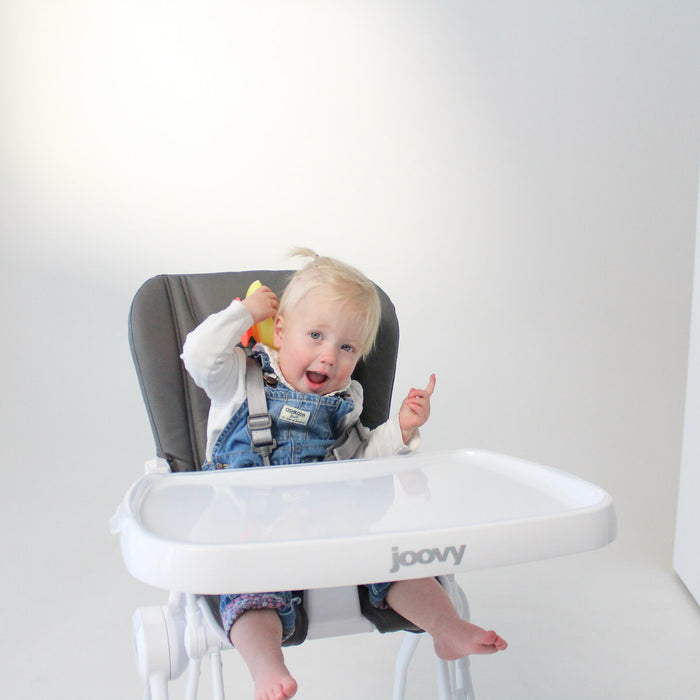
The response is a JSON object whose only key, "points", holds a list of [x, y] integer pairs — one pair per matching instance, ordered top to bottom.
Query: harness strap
{"points": [[259, 420], [348, 445]]}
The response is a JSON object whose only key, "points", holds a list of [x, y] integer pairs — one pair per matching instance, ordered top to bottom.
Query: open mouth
{"points": [[316, 379]]}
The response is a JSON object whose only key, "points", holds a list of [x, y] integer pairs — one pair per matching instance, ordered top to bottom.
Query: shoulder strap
{"points": [[259, 420], [353, 438]]}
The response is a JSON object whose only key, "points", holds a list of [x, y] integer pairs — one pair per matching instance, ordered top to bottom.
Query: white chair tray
{"points": [[339, 523]]}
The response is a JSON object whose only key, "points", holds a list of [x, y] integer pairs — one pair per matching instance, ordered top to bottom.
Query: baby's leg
{"points": [[425, 603], [257, 634]]}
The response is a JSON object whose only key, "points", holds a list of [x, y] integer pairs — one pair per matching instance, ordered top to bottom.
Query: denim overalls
{"points": [[304, 426]]}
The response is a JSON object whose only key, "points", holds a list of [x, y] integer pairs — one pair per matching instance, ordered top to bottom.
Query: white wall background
{"points": [[520, 177]]}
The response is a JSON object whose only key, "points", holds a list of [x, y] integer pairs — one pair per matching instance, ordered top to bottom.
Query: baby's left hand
{"points": [[415, 410]]}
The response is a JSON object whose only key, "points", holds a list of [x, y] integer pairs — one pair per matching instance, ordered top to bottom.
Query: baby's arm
{"points": [[210, 353], [415, 410], [399, 435]]}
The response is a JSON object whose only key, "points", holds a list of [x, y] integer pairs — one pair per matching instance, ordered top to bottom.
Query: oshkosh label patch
{"points": [[294, 415]]}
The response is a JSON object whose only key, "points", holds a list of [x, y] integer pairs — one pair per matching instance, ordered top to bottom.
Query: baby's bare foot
{"points": [[464, 639], [275, 686]]}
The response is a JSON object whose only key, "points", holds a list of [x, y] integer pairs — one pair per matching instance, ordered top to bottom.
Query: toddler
{"points": [[326, 321]]}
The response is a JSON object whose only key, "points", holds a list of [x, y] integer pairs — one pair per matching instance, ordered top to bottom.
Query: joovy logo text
{"points": [[425, 556]]}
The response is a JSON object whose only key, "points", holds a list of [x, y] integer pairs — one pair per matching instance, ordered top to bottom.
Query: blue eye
{"points": [[315, 335], [347, 348]]}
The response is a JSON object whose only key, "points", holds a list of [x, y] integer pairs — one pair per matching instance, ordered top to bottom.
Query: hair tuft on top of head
{"points": [[301, 252]]}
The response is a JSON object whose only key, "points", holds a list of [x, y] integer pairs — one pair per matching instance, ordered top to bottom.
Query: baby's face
{"points": [[319, 342]]}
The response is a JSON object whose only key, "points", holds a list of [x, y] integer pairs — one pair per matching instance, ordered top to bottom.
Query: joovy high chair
{"points": [[317, 529]]}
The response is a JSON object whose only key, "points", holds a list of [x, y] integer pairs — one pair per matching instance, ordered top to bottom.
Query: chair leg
{"points": [[203, 639], [408, 648], [193, 672], [217, 675], [454, 679], [464, 679], [444, 680], [157, 686]]}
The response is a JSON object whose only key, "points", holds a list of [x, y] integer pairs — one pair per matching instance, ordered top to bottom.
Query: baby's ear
{"points": [[277, 330]]}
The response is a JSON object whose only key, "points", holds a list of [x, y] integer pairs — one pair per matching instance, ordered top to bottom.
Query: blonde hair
{"points": [[340, 282]]}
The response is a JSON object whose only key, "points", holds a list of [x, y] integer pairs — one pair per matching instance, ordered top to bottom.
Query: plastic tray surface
{"points": [[339, 523]]}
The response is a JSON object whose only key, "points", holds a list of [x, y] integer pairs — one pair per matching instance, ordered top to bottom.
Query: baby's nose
{"points": [[328, 356]]}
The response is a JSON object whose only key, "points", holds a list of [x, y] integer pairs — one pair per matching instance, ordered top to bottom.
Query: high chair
{"points": [[317, 529]]}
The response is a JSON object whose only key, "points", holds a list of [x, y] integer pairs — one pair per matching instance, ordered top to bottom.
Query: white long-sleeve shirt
{"points": [[217, 365]]}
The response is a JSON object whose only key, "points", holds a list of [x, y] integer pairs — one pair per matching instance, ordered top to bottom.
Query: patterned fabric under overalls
{"points": [[304, 427]]}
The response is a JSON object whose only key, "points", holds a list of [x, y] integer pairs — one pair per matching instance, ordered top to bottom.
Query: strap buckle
{"points": [[259, 421]]}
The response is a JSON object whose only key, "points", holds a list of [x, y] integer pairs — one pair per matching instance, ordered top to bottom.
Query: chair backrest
{"points": [[167, 307]]}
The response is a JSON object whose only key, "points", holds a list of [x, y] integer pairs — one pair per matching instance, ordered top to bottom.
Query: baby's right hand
{"points": [[261, 304]]}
